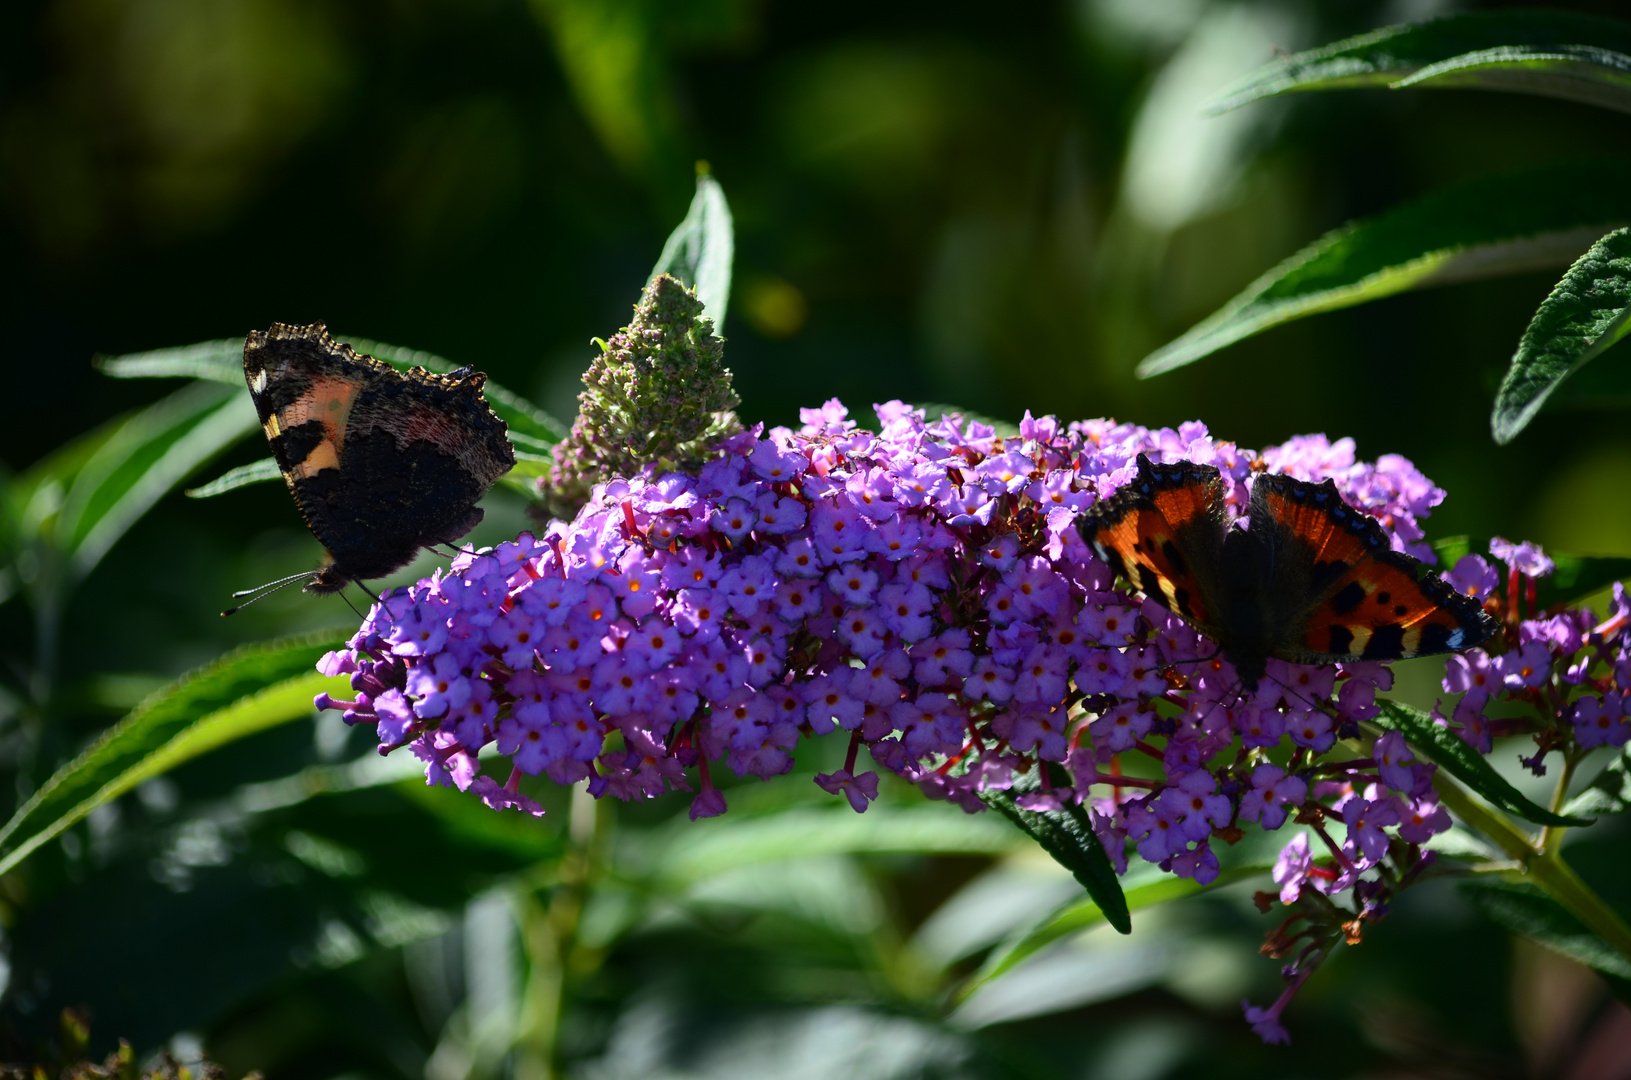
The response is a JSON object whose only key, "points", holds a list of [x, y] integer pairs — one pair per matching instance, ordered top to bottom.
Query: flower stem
{"points": [[1544, 869]]}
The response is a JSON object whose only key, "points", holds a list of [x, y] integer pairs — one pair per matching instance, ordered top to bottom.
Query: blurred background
{"points": [[1004, 206]]}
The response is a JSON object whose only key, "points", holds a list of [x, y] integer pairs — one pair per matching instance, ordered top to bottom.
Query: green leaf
{"points": [[1559, 54], [1583, 73], [1484, 228], [699, 252], [1587, 313], [216, 361], [934, 410], [256, 472], [85, 496], [246, 691], [1444, 748], [1609, 792], [1068, 836], [697, 850], [1146, 890], [1525, 910]]}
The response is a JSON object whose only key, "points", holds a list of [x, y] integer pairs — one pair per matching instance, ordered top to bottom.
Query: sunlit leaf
{"points": [[1555, 53], [1583, 73], [1489, 227], [699, 252], [1586, 314], [217, 361], [256, 472], [246, 691], [1443, 747], [1068, 836], [696, 850], [1155, 887], [1524, 910]]}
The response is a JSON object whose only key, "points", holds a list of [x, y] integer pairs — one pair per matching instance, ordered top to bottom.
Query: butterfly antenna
{"points": [[273, 585], [261, 592]]}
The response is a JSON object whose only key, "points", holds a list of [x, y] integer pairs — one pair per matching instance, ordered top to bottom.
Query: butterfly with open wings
{"points": [[1309, 579]]}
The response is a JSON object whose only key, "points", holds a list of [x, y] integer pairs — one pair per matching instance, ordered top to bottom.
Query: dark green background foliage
{"points": [[998, 205]]}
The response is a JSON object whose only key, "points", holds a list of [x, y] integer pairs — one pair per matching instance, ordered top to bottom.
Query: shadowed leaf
{"points": [[244, 692], [1444, 748], [1068, 836]]}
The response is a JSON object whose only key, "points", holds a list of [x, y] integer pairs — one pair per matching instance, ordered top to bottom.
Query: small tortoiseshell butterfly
{"points": [[380, 462], [1309, 580]]}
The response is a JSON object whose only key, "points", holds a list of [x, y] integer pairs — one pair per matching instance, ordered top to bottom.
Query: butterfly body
{"points": [[380, 462], [1309, 579]]}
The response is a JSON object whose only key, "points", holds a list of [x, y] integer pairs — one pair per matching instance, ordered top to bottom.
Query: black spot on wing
{"points": [[296, 443], [1174, 559], [1149, 582], [1350, 597], [1180, 600], [1435, 638], [1342, 640], [1386, 643]]}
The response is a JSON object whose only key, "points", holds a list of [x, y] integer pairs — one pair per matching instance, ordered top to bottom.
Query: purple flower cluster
{"points": [[924, 590], [1563, 676]]}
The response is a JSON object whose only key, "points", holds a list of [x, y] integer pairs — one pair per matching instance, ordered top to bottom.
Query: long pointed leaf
{"points": [[1395, 55], [1584, 73], [1485, 228], [700, 251], [1587, 313], [219, 361], [151, 454], [256, 472], [86, 495], [244, 692], [1445, 749], [1609, 792], [1068, 836], [700, 850], [1522, 909], [1083, 915]]}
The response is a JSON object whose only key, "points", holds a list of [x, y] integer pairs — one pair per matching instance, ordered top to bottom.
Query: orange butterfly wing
{"points": [[1163, 533], [1363, 601]]}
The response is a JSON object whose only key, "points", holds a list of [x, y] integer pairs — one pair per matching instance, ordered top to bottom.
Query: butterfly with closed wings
{"points": [[380, 462]]}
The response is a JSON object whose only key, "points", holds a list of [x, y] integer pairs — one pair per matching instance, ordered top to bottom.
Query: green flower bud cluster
{"points": [[658, 392]]}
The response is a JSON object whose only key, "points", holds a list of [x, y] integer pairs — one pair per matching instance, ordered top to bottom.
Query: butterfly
{"points": [[380, 462], [1310, 579]]}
